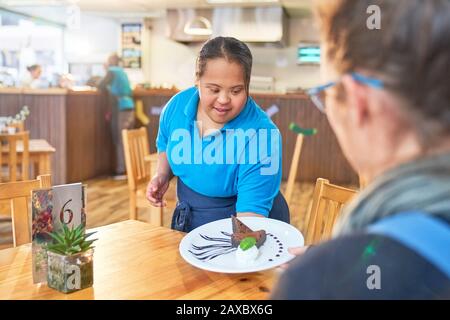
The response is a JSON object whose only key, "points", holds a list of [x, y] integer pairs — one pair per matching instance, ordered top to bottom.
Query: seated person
{"points": [[388, 101]]}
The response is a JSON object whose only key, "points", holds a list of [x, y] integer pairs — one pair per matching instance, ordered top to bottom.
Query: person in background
{"points": [[33, 78], [66, 81], [387, 98], [122, 108], [219, 177]]}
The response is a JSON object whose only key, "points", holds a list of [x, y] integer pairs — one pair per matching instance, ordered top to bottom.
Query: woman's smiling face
{"points": [[222, 90]]}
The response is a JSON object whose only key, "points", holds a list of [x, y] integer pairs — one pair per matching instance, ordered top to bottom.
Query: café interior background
{"points": [[76, 37]]}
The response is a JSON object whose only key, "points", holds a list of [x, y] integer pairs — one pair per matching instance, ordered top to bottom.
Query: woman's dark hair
{"points": [[230, 49], [411, 52], [33, 67]]}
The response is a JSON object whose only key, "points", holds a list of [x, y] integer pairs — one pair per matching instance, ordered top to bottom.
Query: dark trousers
{"points": [[119, 120]]}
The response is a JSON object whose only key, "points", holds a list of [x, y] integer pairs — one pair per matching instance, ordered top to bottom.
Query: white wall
{"points": [[97, 37], [94, 41], [167, 61], [170, 62], [281, 63]]}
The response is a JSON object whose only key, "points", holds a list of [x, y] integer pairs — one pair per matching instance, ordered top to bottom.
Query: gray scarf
{"points": [[420, 185]]}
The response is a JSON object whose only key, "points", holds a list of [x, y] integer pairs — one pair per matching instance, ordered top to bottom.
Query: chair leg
{"points": [[133, 206], [156, 216]]}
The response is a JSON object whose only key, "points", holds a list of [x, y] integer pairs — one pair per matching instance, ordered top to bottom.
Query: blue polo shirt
{"points": [[120, 87], [242, 159]]}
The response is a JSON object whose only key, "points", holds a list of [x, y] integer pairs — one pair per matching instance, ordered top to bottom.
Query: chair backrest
{"points": [[20, 126], [10, 145], [136, 149], [293, 170], [362, 182], [18, 193], [328, 200]]}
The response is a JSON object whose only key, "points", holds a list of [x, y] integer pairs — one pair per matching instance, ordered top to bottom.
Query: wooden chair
{"points": [[20, 126], [8, 144], [140, 165], [293, 170], [362, 182], [18, 194], [328, 200]]}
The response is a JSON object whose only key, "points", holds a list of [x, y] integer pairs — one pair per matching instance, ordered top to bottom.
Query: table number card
{"points": [[51, 209], [42, 222]]}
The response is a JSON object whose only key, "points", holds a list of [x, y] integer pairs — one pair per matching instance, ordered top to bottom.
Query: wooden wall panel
{"points": [[150, 102], [9, 104], [46, 121], [74, 123], [88, 137], [103, 138], [321, 154]]}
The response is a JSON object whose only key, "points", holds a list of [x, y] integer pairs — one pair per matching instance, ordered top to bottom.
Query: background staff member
{"points": [[33, 78], [122, 108], [199, 119]]}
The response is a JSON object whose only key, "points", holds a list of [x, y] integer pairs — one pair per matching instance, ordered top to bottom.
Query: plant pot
{"points": [[70, 273]]}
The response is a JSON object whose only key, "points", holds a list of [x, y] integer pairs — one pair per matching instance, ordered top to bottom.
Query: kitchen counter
{"points": [[52, 90], [49, 91], [84, 92], [140, 92]]}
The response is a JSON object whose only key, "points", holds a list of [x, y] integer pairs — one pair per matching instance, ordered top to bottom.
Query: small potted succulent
{"points": [[70, 260]]}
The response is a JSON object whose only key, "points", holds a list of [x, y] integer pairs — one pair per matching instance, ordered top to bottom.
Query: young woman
{"points": [[220, 144]]}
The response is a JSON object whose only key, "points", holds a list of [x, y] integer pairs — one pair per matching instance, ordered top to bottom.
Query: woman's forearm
{"points": [[163, 167], [249, 214]]}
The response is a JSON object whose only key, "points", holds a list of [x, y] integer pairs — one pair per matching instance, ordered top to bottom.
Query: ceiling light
{"points": [[240, 1], [199, 26]]}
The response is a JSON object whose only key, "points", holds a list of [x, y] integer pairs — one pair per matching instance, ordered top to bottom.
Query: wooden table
{"points": [[40, 152], [135, 260]]}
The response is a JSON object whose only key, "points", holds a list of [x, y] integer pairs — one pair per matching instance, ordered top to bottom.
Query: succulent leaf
{"points": [[70, 241]]}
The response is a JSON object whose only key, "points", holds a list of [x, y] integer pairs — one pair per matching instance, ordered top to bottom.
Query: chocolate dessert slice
{"points": [[238, 226], [241, 231]]}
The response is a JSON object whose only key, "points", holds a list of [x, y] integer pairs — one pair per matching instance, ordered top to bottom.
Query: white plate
{"points": [[280, 237]]}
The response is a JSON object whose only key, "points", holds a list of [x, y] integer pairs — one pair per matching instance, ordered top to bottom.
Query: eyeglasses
{"points": [[317, 94]]}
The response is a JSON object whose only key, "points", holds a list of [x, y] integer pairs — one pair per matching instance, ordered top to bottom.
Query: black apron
{"points": [[194, 209]]}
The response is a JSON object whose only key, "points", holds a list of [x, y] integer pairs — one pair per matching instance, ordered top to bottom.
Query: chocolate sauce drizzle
{"points": [[221, 247], [280, 247], [215, 250]]}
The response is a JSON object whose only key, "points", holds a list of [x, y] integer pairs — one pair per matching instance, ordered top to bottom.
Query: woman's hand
{"points": [[159, 184], [156, 189], [296, 251]]}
